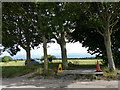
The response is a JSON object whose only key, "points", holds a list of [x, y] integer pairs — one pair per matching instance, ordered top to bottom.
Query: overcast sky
{"points": [[74, 50]]}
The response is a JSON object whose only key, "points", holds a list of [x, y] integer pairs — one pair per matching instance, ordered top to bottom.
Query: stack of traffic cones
{"points": [[98, 67], [60, 68]]}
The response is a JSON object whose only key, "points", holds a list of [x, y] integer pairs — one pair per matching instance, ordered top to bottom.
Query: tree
{"points": [[105, 18], [101, 19], [26, 24], [43, 27], [52, 27], [17, 28], [60, 28], [90, 38], [116, 45], [50, 57], [6, 59]]}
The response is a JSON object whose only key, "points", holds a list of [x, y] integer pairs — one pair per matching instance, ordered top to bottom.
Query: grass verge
{"points": [[13, 71]]}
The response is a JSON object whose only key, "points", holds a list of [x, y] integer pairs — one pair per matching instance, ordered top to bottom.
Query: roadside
{"points": [[13, 77], [51, 82]]}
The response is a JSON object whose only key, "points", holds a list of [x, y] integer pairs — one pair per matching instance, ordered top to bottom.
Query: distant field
{"points": [[81, 61], [78, 62], [13, 63]]}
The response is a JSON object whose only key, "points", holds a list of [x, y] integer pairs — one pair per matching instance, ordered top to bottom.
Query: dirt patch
{"points": [[67, 81]]}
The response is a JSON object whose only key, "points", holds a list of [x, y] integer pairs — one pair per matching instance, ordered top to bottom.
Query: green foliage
{"points": [[22, 28], [20, 31], [90, 31], [116, 56], [50, 57], [6, 59], [15, 61], [108, 74]]}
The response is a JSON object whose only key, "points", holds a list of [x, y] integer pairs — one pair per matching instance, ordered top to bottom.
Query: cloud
{"points": [[76, 48], [54, 49], [73, 50]]}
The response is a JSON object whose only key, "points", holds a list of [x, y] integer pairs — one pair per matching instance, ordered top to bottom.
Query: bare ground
{"points": [[69, 82]]}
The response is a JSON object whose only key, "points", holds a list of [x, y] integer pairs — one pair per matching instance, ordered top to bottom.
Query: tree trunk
{"points": [[107, 40], [63, 50], [45, 55], [28, 56]]}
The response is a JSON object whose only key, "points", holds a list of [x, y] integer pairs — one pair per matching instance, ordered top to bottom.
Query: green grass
{"points": [[81, 61], [12, 63], [12, 69], [108, 73]]}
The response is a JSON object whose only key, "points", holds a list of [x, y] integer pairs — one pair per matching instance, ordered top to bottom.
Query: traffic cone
{"points": [[98, 67], [60, 68]]}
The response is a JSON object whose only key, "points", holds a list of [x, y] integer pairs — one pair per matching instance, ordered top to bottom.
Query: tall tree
{"points": [[105, 18], [102, 19], [60, 25], [43, 26], [18, 28]]}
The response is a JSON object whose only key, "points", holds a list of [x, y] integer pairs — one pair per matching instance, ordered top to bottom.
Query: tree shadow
{"points": [[24, 82]]}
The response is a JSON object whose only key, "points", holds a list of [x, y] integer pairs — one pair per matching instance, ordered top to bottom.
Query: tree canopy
{"points": [[95, 25], [96, 29]]}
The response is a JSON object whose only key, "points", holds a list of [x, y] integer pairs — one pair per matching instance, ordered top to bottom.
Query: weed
{"points": [[107, 72]]}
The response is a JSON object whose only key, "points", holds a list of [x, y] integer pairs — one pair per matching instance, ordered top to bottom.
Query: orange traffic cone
{"points": [[98, 67], [60, 68]]}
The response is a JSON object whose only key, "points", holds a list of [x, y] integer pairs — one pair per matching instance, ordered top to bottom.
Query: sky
{"points": [[74, 50]]}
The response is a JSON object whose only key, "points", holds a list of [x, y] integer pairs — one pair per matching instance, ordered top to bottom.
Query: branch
{"points": [[102, 14], [39, 17], [109, 17], [28, 18], [114, 23], [103, 27], [99, 32], [57, 39]]}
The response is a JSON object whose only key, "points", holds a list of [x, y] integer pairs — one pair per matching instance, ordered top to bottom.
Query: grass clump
{"points": [[107, 72], [109, 75]]}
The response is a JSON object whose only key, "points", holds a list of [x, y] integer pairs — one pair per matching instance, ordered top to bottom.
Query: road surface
{"points": [[22, 82]]}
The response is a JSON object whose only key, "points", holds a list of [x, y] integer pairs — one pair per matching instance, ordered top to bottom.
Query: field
{"points": [[79, 62], [12, 63], [18, 68], [12, 69]]}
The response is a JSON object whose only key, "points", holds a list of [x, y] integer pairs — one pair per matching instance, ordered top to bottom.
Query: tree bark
{"points": [[107, 41], [63, 50], [28, 55], [45, 55]]}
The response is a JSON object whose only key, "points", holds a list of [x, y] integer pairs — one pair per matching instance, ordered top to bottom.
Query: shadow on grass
{"points": [[74, 66], [13, 71]]}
